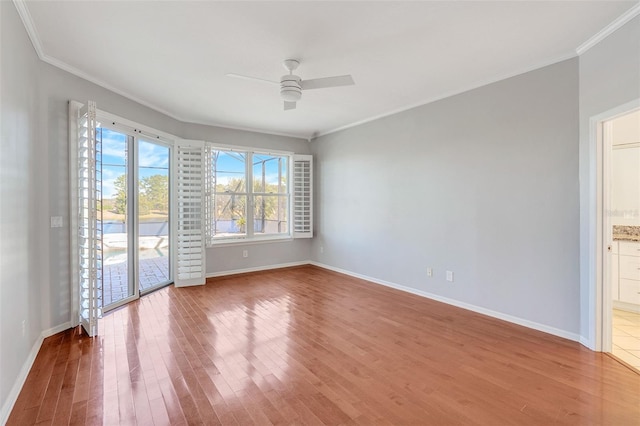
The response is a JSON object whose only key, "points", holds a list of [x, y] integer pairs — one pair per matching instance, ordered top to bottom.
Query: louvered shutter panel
{"points": [[208, 195], [302, 196], [189, 211], [88, 219]]}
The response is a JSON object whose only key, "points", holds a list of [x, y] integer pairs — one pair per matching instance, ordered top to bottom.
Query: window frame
{"points": [[250, 236]]}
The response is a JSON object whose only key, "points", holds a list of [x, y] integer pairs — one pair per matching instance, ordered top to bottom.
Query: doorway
{"points": [[617, 137], [622, 141], [135, 216]]}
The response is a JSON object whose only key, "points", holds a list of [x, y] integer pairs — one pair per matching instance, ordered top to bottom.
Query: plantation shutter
{"points": [[209, 186], [302, 196], [189, 211], [86, 217]]}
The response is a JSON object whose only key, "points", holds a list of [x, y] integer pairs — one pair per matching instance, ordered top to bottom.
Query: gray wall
{"points": [[609, 77], [483, 184], [24, 238]]}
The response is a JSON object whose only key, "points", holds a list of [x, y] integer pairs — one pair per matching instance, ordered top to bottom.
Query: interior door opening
{"points": [[621, 189]]}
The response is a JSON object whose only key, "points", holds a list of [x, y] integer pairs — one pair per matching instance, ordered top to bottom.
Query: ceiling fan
{"points": [[291, 86]]}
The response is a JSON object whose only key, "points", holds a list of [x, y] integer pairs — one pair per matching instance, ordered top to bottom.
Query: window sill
{"points": [[250, 241]]}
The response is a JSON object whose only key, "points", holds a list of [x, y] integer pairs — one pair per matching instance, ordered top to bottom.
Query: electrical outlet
{"points": [[56, 221], [321, 249], [245, 253], [429, 272], [450, 276], [24, 328]]}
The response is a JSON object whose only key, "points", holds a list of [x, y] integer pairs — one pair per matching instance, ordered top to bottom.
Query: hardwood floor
{"points": [[309, 346]]}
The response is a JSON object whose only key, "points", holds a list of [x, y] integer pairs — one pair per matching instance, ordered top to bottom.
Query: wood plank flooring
{"points": [[309, 346]]}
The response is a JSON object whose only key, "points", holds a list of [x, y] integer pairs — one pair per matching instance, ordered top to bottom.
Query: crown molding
{"points": [[25, 16], [27, 21], [609, 29], [451, 93], [305, 136]]}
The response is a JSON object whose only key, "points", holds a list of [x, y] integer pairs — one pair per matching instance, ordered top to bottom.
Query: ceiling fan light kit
{"points": [[291, 85], [290, 88]]}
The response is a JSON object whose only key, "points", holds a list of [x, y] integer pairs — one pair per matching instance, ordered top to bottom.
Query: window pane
{"points": [[114, 147], [229, 171], [269, 174], [270, 214], [153, 215], [229, 215], [117, 283]]}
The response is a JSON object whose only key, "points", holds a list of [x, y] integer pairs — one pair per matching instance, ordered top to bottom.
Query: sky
{"points": [[153, 159]]}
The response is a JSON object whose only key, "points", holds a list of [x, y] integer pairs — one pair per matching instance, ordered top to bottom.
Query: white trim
{"points": [[27, 21], [617, 23], [33, 35], [452, 93], [132, 128], [606, 129], [304, 136], [240, 148], [237, 241], [257, 269], [74, 313], [499, 315], [55, 330], [585, 342], [26, 368], [19, 383]]}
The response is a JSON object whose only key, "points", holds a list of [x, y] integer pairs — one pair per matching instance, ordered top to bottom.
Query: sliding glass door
{"points": [[153, 215], [135, 216], [117, 227]]}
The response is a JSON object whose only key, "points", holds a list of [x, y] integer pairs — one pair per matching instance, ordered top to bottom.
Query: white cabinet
{"points": [[625, 184], [628, 272], [630, 291]]}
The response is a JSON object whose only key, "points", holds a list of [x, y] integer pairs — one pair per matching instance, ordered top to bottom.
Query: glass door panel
{"points": [[153, 215], [117, 271]]}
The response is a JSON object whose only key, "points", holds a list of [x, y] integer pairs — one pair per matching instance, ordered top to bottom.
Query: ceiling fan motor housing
{"points": [[290, 88]]}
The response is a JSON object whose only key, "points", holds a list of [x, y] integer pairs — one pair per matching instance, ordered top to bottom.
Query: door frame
{"points": [[599, 331]]}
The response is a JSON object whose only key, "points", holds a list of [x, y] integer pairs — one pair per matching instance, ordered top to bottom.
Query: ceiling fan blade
{"points": [[246, 77], [321, 83], [289, 105]]}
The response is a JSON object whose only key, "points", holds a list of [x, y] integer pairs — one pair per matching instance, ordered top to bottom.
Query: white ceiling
{"points": [[173, 55]]}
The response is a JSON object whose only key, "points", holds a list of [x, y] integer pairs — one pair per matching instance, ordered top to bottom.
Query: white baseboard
{"points": [[256, 269], [624, 306], [499, 315], [57, 329], [586, 342], [24, 371]]}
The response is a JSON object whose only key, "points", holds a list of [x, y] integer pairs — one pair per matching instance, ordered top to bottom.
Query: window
{"points": [[249, 195], [270, 195]]}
